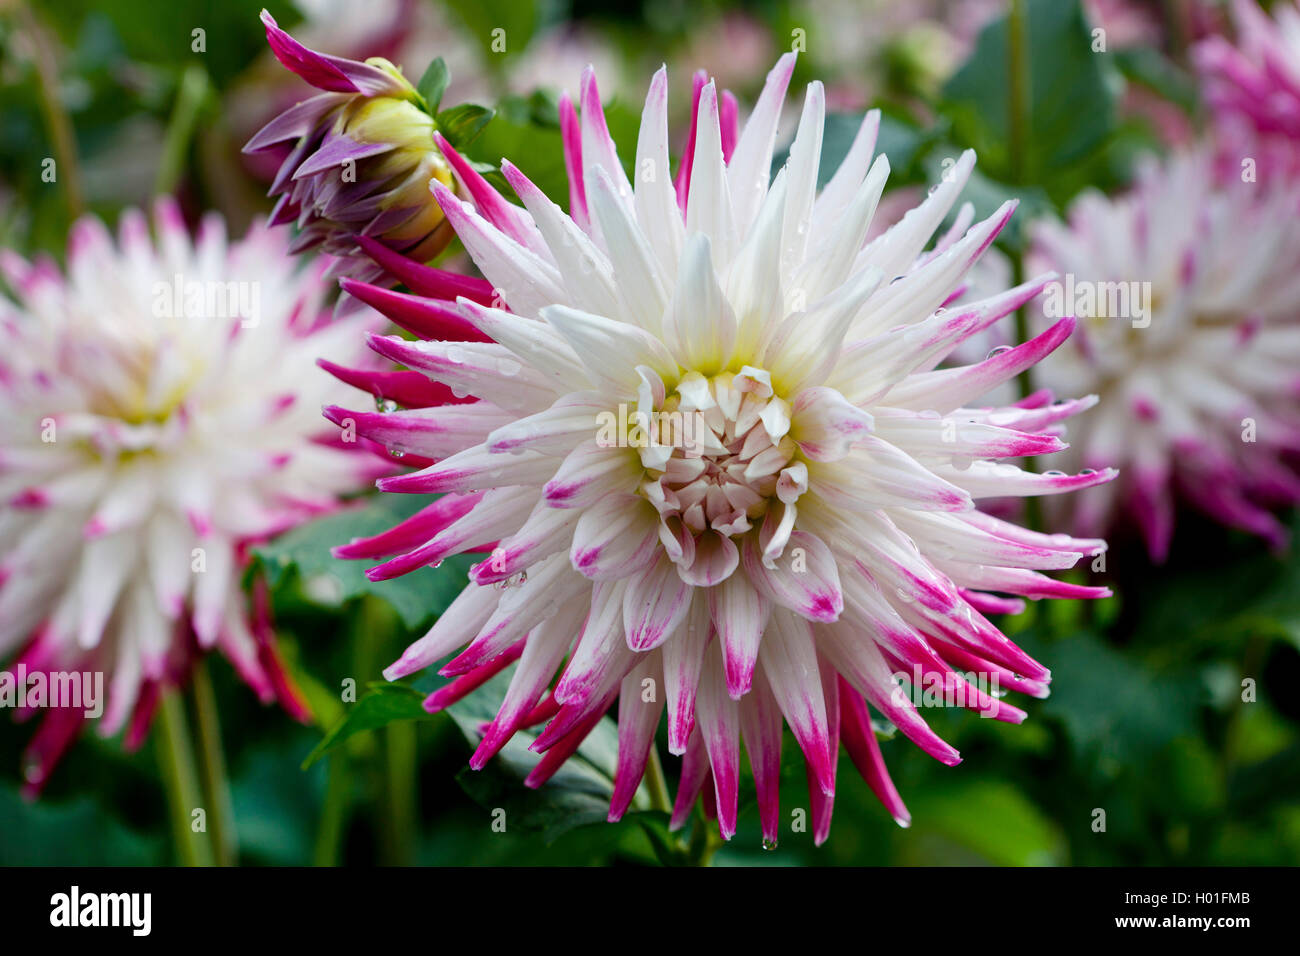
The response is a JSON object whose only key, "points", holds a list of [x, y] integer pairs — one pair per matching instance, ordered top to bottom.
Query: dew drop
{"points": [[1000, 350], [385, 405], [397, 453], [962, 462], [1088, 471], [1054, 474], [769, 843]]}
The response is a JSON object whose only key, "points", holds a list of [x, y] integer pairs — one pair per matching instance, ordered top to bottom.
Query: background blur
{"points": [[1146, 720]]}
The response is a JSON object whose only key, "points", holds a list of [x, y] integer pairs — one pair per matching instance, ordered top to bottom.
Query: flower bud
{"points": [[359, 159]]}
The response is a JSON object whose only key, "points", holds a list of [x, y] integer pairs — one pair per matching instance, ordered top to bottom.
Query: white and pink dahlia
{"points": [[1253, 88], [1186, 291], [159, 411], [709, 449]]}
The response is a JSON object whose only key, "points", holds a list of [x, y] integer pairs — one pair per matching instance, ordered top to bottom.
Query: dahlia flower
{"points": [[1253, 88], [362, 155], [1186, 294], [158, 412], [711, 459]]}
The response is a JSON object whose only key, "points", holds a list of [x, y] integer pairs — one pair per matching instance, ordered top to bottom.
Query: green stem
{"points": [[1175, 18], [1017, 90], [190, 97], [1017, 113], [1018, 118], [63, 139], [1025, 387], [1252, 663], [181, 781], [655, 783], [216, 784], [400, 792], [334, 814], [397, 824], [705, 841]]}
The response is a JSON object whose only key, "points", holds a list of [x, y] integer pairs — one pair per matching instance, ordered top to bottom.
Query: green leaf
{"points": [[502, 27], [226, 36], [1149, 67], [434, 83], [1070, 101], [463, 124], [898, 139], [537, 146], [987, 194], [304, 553], [379, 706], [1114, 708], [576, 795], [276, 806], [990, 818], [77, 833]]}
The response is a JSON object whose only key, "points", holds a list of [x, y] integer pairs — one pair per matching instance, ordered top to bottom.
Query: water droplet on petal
{"points": [[1001, 349], [385, 405], [397, 453], [1054, 474], [769, 843]]}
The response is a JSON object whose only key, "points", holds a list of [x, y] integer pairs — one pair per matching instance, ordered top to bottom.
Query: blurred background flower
{"points": [[1195, 362], [158, 414]]}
